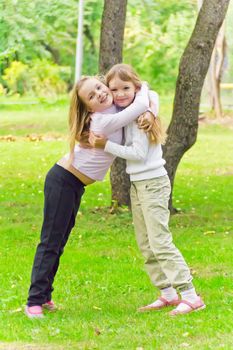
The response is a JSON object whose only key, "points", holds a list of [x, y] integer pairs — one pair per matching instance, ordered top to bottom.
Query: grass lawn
{"points": [[101, 280]]}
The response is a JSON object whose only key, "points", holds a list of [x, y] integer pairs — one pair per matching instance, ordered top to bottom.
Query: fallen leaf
{"points": [[8, 138], [209, 233], [96, 307], [16, 310], [97, 331], [186, 334]]}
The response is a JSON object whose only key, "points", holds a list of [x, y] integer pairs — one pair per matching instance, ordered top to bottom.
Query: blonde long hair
{"points": [[126, 73], [79, 117]]}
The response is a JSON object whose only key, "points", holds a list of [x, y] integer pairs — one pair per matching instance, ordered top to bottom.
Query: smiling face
{"points": [[123, 91], [95, 95]]}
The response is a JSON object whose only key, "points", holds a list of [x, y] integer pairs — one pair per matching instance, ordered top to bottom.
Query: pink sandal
{"points": [[165, 303], [49, 305], [197, 306], [34, 311]]}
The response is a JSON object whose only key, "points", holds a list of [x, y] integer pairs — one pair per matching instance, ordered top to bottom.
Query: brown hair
{"points": [[126, 73], [79, 116], [157, 134]]}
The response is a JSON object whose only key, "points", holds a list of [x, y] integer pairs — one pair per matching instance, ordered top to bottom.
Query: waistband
{"points": [[66, 175]]}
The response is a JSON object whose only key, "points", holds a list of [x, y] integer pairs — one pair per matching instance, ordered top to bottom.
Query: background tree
{"points": [[111, 44], [216, 70], [182, 131]]}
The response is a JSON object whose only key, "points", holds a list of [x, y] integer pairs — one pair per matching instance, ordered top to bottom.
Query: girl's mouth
{"points": [[104, 98], [121, 100]]}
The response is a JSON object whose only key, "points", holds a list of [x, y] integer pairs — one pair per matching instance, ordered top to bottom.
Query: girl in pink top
{"points": [[91, 107]]}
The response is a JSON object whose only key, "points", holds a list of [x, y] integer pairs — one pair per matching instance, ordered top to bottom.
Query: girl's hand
{"points": [[146, 121], [83, 140], [97, 141]]}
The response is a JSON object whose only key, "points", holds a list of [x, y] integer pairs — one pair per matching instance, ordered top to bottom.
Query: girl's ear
{"points": [[137, 89]]}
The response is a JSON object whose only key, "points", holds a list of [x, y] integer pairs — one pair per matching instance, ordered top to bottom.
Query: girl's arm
{"points": [[154, 102], [146, 120], [112, 122], [136, 151]]}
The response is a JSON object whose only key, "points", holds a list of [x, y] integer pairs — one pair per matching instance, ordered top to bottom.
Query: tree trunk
{"points": [[112, 33], [111, 43], [54, 52], [218, 56], [214, 74], [216, 105], [182, 131], [120, 183]]}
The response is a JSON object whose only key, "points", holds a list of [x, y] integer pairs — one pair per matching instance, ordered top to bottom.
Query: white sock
{"points": [[169, 293], [188, 295]]}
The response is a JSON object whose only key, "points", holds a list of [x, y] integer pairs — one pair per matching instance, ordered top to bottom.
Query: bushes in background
{"points": [[41, 78]]}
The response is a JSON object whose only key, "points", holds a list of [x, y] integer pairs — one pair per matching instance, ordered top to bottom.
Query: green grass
{"points": [[40, 117], [101, 280]]}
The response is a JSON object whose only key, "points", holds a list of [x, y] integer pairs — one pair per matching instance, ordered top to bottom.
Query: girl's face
{"points": [[123, 91], [96, 96]]}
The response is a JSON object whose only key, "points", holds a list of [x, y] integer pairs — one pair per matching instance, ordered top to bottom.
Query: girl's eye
{"points": [[98, 87], [126, 87], [113, 90], [91, 97]]}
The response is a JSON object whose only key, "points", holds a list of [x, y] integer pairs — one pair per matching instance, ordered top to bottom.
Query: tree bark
{"points": [[112, 33], [111, 44], [54, 52], [218, 58], [214, 74], [182, 131]]}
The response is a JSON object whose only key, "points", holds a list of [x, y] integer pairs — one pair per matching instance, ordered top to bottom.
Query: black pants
{"points": [[62, 192]]}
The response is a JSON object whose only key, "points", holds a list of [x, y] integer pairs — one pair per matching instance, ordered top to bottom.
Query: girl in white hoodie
{"points": [[150, 192]]}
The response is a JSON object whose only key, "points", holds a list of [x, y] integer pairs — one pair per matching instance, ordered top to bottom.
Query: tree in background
{"points": [[111, 44], [216, 70], [182, 131]]}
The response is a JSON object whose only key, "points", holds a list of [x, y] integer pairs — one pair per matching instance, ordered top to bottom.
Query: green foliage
{"points": [[92, 24], [47, 30], [156, 34], [155, 37], [16, 77], [41, 78], [49, 78], [2, 90]]}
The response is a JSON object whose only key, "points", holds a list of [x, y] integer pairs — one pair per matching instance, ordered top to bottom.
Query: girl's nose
{"points": [[120, 93]]}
